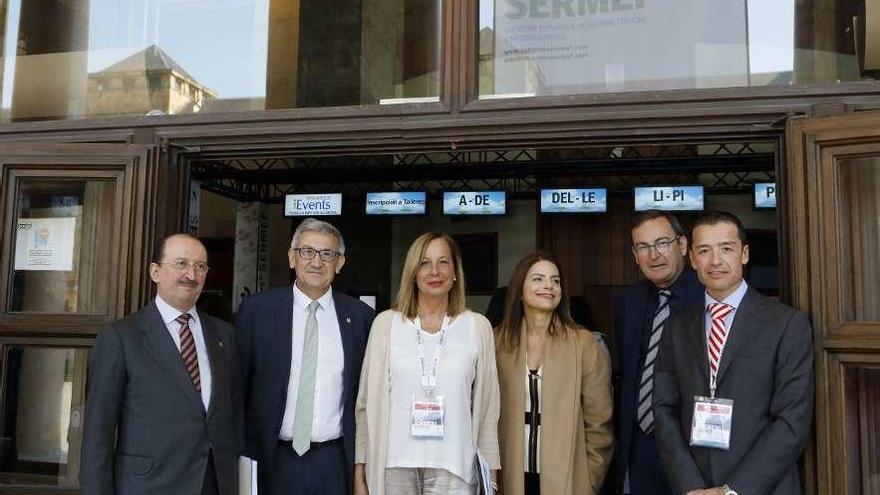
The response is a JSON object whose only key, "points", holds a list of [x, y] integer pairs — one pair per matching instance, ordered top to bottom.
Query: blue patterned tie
{"points": [[646, 389]]}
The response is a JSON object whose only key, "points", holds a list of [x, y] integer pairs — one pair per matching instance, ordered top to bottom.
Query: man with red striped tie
{"points": [[733, 385], [163, 410]]}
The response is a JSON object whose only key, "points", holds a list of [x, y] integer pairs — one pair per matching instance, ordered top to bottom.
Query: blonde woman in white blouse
{"points": [[428, 355]]}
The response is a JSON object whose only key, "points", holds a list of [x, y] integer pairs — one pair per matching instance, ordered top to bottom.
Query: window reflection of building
{"points": [[148, 81]]}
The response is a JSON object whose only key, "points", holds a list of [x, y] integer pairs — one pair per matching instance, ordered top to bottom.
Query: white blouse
{"points": [[456, 371]]}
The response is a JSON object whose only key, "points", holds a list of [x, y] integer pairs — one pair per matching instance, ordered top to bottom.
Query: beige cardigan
{"points": [[371, 411], [576, 434]]}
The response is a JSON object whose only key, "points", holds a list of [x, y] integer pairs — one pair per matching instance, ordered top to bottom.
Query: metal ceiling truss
{"points": [[720, 167]]}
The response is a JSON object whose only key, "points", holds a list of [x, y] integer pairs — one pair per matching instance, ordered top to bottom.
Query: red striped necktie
{"points": [[717, 337], [188, 351]]}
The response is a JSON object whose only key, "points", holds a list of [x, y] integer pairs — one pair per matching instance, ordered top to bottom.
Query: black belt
{"points": [[313, 445]]}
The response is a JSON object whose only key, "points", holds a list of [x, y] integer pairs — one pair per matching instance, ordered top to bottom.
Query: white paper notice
{"points": [[45, 243]]}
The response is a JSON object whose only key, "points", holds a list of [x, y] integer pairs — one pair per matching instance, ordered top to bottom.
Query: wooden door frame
{"points": [[814, 146]]}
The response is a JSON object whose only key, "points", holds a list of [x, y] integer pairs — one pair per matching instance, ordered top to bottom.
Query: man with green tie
{"points": [[301, 352]]}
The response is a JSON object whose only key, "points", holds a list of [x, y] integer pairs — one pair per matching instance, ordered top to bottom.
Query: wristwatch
{"points": [[727, 490]]}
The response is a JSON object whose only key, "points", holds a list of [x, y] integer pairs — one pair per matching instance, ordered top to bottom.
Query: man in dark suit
{"points": [[659, 247], [301, 354], [733, 396], [163, 409]]}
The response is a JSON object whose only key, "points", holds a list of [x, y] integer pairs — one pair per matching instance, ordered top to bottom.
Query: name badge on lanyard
{"points": [[428, 414], [713, 418], [712, 423]]}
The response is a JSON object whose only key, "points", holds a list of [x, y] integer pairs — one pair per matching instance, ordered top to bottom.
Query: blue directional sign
{"points": [[765, 195], [671, 198], [574, 200], [474, 202], [396, 203], [312, 205]]}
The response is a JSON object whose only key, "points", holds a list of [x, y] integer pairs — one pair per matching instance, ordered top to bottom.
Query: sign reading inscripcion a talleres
{"points": [[670, 198], [574, 200], [474, 202], [396, 203], [313, 205]]}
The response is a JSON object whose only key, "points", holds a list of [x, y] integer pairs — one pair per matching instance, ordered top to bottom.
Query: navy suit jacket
{"points": [[630, 309], [264, 322], [766, 369]]}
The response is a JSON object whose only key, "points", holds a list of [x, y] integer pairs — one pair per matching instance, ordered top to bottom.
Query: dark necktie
{"points": [[188, 351], [646, 387]]}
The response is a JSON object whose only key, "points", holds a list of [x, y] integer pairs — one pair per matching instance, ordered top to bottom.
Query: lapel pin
{"points": [[348, 320], [221, 343]]}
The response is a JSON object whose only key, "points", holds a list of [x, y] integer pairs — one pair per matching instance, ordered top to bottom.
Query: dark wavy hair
{"points": [[510, 329]]}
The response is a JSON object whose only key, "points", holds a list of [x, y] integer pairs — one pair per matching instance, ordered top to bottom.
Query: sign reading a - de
{"points": [[672, 198], [474, 202], [313, 205]]}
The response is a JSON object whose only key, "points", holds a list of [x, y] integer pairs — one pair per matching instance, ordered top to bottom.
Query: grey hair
{"points": [[315, 225]]}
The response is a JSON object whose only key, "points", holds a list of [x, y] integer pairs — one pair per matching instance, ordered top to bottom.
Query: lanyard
{"points": [[429, 383]]}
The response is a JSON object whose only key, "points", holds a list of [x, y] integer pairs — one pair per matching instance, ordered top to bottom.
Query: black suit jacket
{"points": [[631, 312], [265, 332], [766, 369], [146, 430]]}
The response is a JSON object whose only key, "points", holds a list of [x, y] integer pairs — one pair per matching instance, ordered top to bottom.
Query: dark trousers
{"points": [[322, 470], [646, 475], [532, 484], [209, 485]]}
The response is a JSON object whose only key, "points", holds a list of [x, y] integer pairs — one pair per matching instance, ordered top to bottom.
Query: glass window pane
{"points": [[559, 47], [136, 57], [859, 193], [63, 247], [44, 394], [863, 429]]}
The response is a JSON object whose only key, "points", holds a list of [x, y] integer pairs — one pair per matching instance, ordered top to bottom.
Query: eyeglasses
{"points": [[662, 246], [308, 253], [181, 265]]}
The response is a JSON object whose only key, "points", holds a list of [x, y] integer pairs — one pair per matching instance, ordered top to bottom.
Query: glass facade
{"points": [[564, 47], [84, 58], [859, 206], [62, 247], [43, 401]]}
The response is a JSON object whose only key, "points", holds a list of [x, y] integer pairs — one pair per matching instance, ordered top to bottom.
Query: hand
{"points": [[360, 480], [708, 491]]}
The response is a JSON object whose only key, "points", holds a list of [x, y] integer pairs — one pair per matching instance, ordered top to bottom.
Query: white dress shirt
{"points": [[169, 317], [327, 413]]}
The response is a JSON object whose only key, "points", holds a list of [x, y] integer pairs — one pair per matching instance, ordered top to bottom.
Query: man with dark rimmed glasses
{"points": [[659, 248], [301, 354]]}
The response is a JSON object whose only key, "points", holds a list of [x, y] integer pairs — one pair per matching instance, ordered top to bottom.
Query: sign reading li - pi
{"points": [[671, 198], [313, 205]]}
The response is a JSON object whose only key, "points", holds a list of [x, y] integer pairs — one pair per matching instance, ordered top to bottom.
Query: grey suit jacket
{"points": [[767, 369], [146, 430]]}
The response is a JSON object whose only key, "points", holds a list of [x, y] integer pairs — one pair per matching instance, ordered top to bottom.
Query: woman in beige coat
{"points": [[557, 376]]}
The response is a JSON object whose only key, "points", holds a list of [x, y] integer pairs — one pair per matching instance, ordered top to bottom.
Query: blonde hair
{"points": [[407, 301]]}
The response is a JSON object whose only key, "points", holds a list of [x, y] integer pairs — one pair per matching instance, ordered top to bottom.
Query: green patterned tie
{"points": [[305, 396]]}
